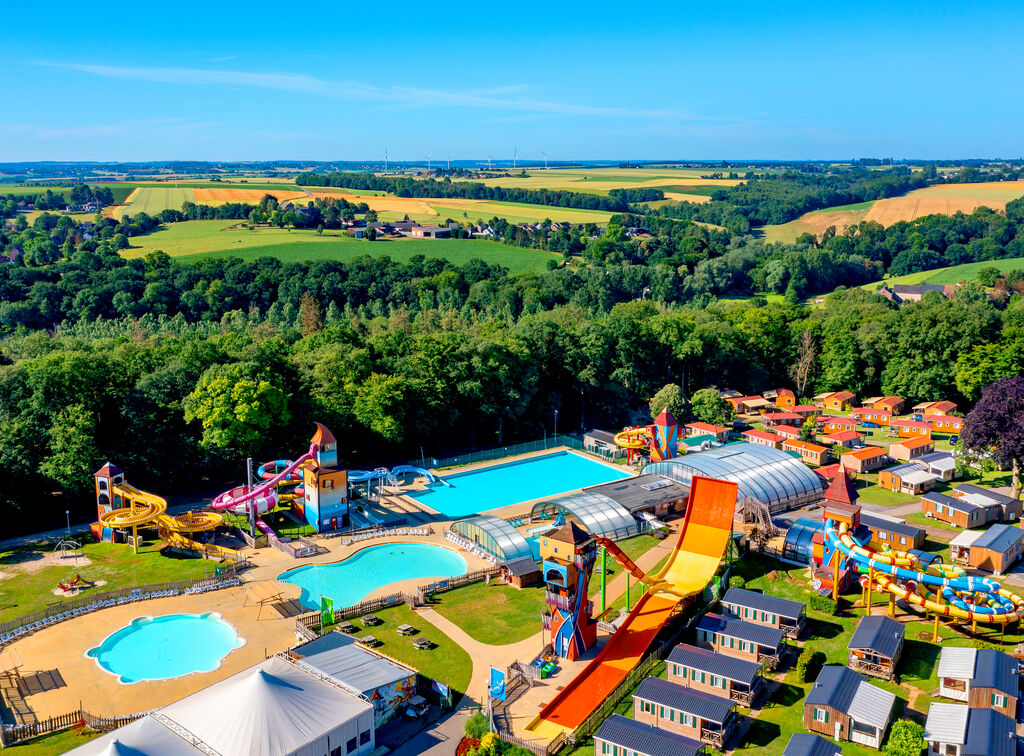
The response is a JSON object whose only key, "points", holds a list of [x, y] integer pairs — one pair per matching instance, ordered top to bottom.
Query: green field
{"points": [[601, 180], [120, 191], [153, 199], [844, 208], [513, 212], [950, 275], [493, 614]]}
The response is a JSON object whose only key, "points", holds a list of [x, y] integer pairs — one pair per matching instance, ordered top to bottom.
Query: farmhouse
{"points": [[430, 232], [901, 293], [784, 398], [836, 401], [879, 415], [773, 419], [945, 423], [832, 424], [698, 428], [911, 428], [763, 438], [849, 439], [911, 448], [812, 454], [863, 459], [940, 464], [910, 478], [1010, 508], [959, 512], [892, 532], [997, 548], [762, 609], [742, 640], [876, 646], [698, 668], [982, 678], [843, 705], [684, 711], [958, 730], [619, 735], [808, 744]]}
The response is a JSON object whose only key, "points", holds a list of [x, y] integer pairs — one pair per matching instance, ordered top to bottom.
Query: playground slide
{"points": [[632, 438], [362, 476], [702, 541], [971, 599]]}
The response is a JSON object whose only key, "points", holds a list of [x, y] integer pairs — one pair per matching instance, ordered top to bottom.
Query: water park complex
{"points": [[664, 589]]}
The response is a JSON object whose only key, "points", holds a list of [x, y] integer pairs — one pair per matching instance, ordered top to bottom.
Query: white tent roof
{"points": [[946, 463], [917, 476], [979, 499], [965, 538], [338, 657], [267, 710], [143, 737]]}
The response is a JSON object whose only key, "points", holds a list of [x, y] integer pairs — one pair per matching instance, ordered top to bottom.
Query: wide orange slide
{"points": [[702, 541]]}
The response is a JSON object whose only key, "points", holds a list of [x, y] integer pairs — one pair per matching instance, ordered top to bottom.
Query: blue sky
{"points": [[340, 81]]}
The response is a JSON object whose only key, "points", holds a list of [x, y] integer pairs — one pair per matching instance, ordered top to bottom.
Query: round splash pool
{"points": [[349, 582], [173, 645]]}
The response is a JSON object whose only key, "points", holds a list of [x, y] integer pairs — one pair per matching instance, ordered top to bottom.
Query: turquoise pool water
{"points": [[513, 482], [349, 582], [157, 648]]}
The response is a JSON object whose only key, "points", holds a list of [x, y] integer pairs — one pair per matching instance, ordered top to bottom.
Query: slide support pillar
{"points": [[837, 555], [604, 566], [871, 580], [627, 590], [892, 605], [935, 629]]}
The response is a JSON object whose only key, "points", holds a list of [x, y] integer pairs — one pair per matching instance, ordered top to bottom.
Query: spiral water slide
{"points": [[694, 560], [969, 599]]}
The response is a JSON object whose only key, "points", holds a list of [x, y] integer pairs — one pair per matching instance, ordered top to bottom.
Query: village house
{"points": [[430, 232], [901, 293], [784, 398], [835, 401], [894, 403], [806, 410], [877, 415], [773, 419], [945, 423], [833, 424], [698, 428], [911, 428], [787, 432], [763, 438], [849, 439], [909, 449], [813, 454], [864, 459], [940, 464], [909, 478], [1009, 507], [959, 512], [892, 532], [996, 549], [762, 609], [742, 640], [876, 646], [736, 679], [984, 679], [843, 705], [685, 711], [959, 730], [622, 736], [809, 744]]}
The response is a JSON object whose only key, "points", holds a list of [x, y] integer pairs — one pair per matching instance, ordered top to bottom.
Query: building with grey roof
{"points": [[656, 494], [964, 513], [997, 548], [763, 609], [741, 639], [876, 646], [698, 668], [981, 678], [841, 704], [684, 711], [964, 731], [631, 736], [809, 744]]}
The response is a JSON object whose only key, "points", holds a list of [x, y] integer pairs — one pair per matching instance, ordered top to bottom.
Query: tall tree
{"points": [[311, 314], [801, 370], [671, 398], [709, 406], [997, 424]]}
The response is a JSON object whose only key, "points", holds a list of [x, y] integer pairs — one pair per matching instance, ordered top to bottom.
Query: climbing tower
{"points": [[664, 436], [106, 479], [324, 500], [839, 505], [568, 556]]}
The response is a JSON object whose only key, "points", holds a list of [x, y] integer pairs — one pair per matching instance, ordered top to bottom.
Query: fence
{"points": [[507, 451], [223, 577], [12, 734]]}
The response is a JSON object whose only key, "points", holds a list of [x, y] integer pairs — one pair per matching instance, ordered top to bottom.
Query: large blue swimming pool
{"points": [[512, 482], [350, 581], [157, 648]]}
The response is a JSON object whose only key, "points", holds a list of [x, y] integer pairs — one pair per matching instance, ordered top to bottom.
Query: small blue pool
{"points": [[512, 482], [349, 582], [158, 648]]}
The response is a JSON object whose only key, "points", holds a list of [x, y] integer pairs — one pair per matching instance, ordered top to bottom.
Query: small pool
{"points": [[510, 483], [349, 582], [174, 645]]}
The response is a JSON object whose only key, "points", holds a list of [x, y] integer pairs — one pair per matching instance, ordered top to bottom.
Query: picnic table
{"points": [[371, 619], [346, 627], [406, 630], [369, 640], [422, 643]]}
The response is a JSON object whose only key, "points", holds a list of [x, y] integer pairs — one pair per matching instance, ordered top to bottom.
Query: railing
{"points": [[508, 451], [295, 548], [871, 668], [12, 734], [714, 738]]}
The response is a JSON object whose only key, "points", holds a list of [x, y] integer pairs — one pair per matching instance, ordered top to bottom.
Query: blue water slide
{"points": [[406, 469]]}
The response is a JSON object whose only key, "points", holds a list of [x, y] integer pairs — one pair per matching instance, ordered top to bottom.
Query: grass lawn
{"points": [[875, 494], [918, 518], [633, 548], [27, 590], [493, 614], [447, 662], [59, 742]]}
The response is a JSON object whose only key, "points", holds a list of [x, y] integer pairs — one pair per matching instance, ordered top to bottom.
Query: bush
{"points": [[737, 581], [822, 604], [809, 665], [477, 726], [905, 739]]}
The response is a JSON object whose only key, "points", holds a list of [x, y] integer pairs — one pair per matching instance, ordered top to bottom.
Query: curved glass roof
{"points": [[770, 475], [599, 514], [494, 535]]}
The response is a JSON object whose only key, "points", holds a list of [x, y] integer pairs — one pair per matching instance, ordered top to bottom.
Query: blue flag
{"points": [[497, 684]]}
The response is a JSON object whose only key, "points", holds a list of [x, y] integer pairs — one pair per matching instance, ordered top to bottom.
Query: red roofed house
{"points": [[785, 398], [837, 401], [894, 403], [747, 404], [935, 408], [805, 410], [879, 415], [771, 419], [945, 423], [830, 424], [698, 428], [912, 428], [787, 431], [764, 438], [851, 439], [911, 448], [811, 453], [863, 459]]}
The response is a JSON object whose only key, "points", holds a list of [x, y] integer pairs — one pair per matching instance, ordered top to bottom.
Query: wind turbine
{"points": [[489, 156], [515, 157], [385, 158], [545, 159], [428, 162], [449, 162]]}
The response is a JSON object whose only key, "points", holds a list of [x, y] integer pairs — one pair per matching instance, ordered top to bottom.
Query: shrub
{"points": [[737, 581], [822, 604], [809, 665], [477, 726], [905, 739]]}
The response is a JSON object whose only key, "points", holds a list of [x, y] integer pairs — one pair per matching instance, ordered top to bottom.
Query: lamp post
{"points": [[556, 426], [67, 516]]}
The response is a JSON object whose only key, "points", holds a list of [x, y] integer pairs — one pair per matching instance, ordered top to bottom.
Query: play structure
{"points": [[659, 440], [122, 507], [569, 553], [694, 560], [920, 579], [75, 584]]}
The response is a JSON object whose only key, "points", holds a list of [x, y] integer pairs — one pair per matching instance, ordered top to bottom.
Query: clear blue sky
{"points": [[340, 80]]}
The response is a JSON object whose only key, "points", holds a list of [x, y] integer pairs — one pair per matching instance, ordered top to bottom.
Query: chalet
{"points": [[785, 398], [837, 401], [894, 403], [748, 404], [934, 408], [806, 410], [877, 415], [772, 419], [945, 423], [832, 424], [698, 428], [911, 428], [787, 432], [763, 438], [849, 439], [601, 441], [908, 449], [813, 454], [864, 459], [940, 464], [909, 478], [1010, 508], [959, 512], [892, 532], [960, 546], [997, 548], [521, 573], [762, 609], [742, 640], [876, 646], [698, 668], [982, 678], [843, 705], [685, 711], [958, 730], [622, 736], [809, 744]]}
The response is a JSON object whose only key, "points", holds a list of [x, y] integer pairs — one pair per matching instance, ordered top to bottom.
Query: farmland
{"points": [[602, 180], [153, 199], [946, 199], [816, 222], [190, 241], [950, 275]]}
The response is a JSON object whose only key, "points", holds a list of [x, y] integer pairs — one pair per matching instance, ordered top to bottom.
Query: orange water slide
{"points": [[702, 541], [622, 558]]}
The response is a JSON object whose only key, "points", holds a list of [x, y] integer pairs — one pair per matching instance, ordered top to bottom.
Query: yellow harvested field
{"points": [[600, 180], [212, 195], [680, 197], [946, 199], [389, 204], [816, 223]]}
